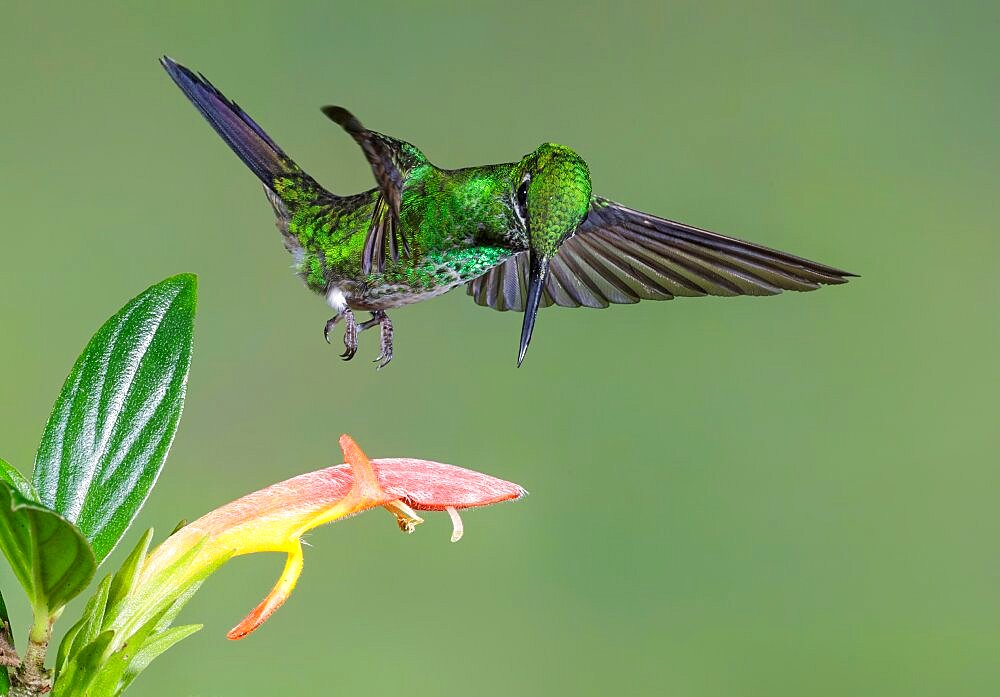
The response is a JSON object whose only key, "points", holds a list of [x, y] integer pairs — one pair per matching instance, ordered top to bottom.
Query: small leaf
{"points": [[114, 421], [10, 474], [48, 555], [128, 572], [158, 595], [93, 614], [170, 614], [128, 620], [155, 646], [93, 653], [62, 656], [112, 668], [79, 674], [109, 676]]}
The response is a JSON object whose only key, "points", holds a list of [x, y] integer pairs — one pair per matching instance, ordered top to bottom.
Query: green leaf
{"points": [[114, 421], [9, 474], [49, 556], [128, 573], [156, 596], [107, 599], [102, 606], [170, 614], [92, 623], [126, 624], [154, 647], [62, 656], [112, 668], [79, 674], [108, 677]]}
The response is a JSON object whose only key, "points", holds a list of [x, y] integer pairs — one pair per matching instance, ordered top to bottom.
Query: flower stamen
{"points": [[406, 517], [457, 529]]}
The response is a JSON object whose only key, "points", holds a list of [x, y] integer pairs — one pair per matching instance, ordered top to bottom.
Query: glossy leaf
{"points": [[114, 421], [48, 555]]}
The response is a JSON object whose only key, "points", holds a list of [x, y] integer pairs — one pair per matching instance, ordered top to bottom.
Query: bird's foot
{"points": [[380, 318], [350, 332], [385, 337]]}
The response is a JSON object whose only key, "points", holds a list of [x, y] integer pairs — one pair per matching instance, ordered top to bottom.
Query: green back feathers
{"points": [[558, 195]]}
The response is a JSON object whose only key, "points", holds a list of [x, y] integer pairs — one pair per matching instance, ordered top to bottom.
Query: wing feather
{"points": [[391, 161], [620, 255]]}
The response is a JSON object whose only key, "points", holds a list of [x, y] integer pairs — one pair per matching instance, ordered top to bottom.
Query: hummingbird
{"points": [[519, 235]]}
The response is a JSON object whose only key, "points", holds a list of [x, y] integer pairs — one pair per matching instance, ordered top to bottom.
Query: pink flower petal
{"points": [[433, 486], [274, 518]]}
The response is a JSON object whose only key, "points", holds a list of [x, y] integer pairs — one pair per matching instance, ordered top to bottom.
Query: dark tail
{"points": [[248, 140]]}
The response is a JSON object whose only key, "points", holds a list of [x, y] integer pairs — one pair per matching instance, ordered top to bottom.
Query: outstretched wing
{"points": [[391, 161], [620, 255]]}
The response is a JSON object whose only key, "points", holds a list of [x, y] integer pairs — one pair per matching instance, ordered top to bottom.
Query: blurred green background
{"points": [[783, 496]]}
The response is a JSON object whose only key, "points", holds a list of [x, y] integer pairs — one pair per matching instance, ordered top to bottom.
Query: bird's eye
{"points": [[522, 198]]}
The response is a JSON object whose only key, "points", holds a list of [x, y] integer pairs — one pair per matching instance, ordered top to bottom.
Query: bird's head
{"points": [[552, 199]]}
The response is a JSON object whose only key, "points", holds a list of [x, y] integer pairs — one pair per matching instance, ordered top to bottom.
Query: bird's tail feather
{"points": [[248, 140]]}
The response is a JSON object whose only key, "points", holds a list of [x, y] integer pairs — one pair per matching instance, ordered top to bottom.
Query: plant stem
{"points": [[8, 654], [31, 679]]}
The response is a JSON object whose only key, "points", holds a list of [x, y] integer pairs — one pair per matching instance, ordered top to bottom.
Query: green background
{"points": [[783, 496]]}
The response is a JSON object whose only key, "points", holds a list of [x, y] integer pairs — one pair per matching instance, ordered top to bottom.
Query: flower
{"points": [[275, 518]]}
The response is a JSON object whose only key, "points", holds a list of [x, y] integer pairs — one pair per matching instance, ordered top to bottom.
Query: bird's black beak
{"points": [[538, 269]]}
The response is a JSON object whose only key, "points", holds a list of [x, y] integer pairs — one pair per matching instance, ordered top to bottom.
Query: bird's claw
{"points": [[330, 324], [352, 328], [350, 332], [350, 336], [386, 341]]}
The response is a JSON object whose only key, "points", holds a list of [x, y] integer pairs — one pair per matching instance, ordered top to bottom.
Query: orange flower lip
{"points": [[274, 518]]}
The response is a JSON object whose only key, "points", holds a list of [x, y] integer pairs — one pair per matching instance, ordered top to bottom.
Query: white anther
{"points": [[456, 524]]}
